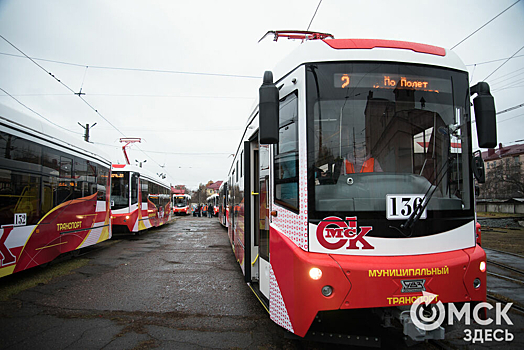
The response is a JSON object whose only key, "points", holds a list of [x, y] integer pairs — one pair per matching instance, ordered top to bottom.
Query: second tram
{"points": [[139, 200], [213, 202], [182, 204]]}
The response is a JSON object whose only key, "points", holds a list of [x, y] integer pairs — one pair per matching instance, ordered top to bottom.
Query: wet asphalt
{"points": [[174, 287]]}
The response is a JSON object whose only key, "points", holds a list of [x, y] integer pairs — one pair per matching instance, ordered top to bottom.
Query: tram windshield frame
{"points": [[405, 130], [119, 190], [181, 201]]}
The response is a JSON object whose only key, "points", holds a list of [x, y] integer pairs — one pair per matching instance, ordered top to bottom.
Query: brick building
{"points": [[504, 173]]}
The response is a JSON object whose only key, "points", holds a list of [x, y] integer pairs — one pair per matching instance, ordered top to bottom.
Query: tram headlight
{"points": [[127, 217], [482, 266], [315, 273], [327, 291]]}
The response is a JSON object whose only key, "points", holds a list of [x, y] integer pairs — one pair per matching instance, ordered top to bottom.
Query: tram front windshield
{"points": [[382, 129], [119, 190], [180, 202]]}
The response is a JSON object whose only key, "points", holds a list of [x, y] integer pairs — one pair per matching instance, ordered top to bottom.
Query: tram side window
{"points": [[23, 153], [286, 154], [51, 162], [85, 176], [91, 177], [102, 183], [66, 184], [81, 187], [144, 187], [134, 188], [153, 193], [19, 194]]}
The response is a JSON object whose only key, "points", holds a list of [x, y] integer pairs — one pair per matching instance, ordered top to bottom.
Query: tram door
{"points": [[262, 224]]}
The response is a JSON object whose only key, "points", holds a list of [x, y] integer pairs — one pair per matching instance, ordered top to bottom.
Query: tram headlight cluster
{"points": [[482, 266], [315, 273]]}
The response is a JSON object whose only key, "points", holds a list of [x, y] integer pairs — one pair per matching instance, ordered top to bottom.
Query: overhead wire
{"points": [[312, 18], [485, 24], [492, 61], [506, 61], [139, 69], [493, 81], [63, 84], [508, 87], [72, 91], [148, 95], [511, 109], [505, 111], [38, 114], [505, 120], [211, 154]]}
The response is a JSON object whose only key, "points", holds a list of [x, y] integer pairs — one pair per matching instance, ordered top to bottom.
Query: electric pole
{"points": [[86, 128]]}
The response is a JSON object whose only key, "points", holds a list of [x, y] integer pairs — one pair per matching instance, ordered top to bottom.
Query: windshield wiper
{"points": [[419, 209]]}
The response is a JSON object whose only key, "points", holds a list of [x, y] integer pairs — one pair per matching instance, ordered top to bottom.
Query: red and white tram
{"points": [[352, 187], [53, 190], [139, 200], [213, 202], [181, 204]]}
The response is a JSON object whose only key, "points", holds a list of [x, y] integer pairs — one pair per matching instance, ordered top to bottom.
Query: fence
{"points": [[509, 208]]}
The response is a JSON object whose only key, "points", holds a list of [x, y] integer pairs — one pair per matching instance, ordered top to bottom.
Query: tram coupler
{"points": [[403, 316]]}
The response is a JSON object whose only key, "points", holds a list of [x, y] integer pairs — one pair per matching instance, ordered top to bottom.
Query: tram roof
{"points": [[332, 50], [46, 131]]}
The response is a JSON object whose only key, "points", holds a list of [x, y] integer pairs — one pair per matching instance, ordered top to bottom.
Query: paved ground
{"points": [[173, 287], [176, 287]]}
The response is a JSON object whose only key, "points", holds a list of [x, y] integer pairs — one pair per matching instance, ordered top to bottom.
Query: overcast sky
{"points": [[183, 75]]}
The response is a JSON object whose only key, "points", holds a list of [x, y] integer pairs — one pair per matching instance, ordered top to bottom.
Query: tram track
{"points": [[510, 279], [506, 281], [498, 299]]}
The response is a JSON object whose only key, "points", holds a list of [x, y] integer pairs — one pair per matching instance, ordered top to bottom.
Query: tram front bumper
{"points": [[358, 282]]}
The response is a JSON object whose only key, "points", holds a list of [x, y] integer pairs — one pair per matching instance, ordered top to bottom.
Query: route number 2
{"points": [[400, 207]]}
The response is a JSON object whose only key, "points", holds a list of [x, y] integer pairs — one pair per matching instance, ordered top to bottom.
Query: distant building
{"points": [[504, 173], [212, 188]]}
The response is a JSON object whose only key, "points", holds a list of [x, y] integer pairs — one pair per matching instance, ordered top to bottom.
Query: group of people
{"points": [[203, 210]]}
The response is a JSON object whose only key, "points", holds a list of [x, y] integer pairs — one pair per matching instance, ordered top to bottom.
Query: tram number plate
{"points": [[400, 207], [20, 219]]}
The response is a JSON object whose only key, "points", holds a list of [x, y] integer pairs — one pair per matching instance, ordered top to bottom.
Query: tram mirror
{"points": [[484, 106], [268, 110], [478, 167]]}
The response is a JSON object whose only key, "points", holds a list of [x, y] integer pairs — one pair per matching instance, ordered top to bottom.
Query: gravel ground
{"points": [[500, 222]]}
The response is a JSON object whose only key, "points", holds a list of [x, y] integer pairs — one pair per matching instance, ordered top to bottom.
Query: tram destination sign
{"points": [[391, 81]]}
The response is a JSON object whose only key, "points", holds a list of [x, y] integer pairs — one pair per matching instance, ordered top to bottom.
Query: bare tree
{"points": [[504, 180], [199, 196]]}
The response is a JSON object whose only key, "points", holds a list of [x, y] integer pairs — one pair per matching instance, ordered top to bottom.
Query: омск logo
{"points": [[333, 233], [427, 323]]}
